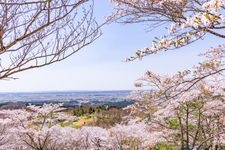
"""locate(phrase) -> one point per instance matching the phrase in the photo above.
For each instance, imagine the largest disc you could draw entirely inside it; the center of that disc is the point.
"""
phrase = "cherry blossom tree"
(189, 104)
(37, 33)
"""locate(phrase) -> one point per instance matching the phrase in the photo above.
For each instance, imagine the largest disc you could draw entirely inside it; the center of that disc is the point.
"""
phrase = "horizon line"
(55, 91)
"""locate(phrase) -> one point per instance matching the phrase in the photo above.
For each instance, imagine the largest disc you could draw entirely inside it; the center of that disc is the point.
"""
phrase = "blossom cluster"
(189, 20)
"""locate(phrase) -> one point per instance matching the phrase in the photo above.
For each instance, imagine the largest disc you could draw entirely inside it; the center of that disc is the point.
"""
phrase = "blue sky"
(100, 66)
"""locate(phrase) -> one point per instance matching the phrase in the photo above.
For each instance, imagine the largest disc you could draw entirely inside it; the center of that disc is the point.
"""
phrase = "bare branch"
(34, 34)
